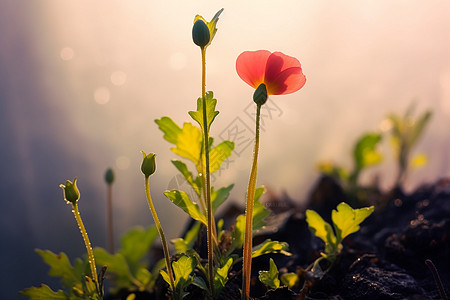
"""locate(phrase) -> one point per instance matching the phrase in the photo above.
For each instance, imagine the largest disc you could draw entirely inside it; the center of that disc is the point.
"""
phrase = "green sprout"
(346, 221)
(365, 154)
(79, 285)
(406, 131)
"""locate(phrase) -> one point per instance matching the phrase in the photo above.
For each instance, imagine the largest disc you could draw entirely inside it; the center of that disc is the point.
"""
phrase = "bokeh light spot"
(66, 53)
(102, 95)
(118, 78)
(177, 61)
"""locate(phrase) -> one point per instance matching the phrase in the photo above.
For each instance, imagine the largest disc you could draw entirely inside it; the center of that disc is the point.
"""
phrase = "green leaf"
(219, 196)
(182, 200)
(419, 126)
(218, 154)
(365, 153)
(188, 140)
(136, 244)
(165, 276)
(320, 228)
(260, 213)
(196, 184)
(43, 292)
(182, 269)
(211, 113)
(60, 266)
(238, 233)
(221, 277)
(269, 246)
(270, 278)
(118, 266)
(198, 281)
(346, 220)
(182, 245)
(290, 279)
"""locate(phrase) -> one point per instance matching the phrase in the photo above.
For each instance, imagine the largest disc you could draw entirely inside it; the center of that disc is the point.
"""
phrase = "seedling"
(405, 133)
(345, 220)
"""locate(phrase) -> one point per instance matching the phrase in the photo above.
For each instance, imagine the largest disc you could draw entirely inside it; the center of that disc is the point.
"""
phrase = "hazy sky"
(81, 83)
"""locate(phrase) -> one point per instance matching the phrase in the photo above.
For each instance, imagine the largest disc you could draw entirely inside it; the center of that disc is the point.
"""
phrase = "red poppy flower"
(282, 74)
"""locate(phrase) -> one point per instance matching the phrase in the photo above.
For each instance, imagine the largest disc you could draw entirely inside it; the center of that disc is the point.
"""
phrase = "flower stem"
(247, 263)
(110, 219)
(87, 243)
(207, 178)
(161, 234)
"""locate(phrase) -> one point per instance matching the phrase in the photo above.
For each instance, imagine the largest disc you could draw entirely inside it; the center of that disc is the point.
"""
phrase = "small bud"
(260, 95)
(109, 176)
(200, 33)
(71, 192)
(148, 166)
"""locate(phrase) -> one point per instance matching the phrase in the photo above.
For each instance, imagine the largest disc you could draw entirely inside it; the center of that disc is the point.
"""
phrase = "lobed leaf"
(219, 154)
(136, 244)
(290, 279)
(221, 276)
(269, 246)
(346, 220)
(211, 113)
(365, 153)
(117, 265)
(320, 228)
(182, 200)
(43, 292)
(195, 183)
(219, 196)
(60, 266)
(188, 140)
(270, 278)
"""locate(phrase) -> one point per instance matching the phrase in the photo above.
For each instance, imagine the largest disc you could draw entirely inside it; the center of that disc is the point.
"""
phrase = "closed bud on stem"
(148, 166)
(109, 176)
(71, 192)
(260, 95)
(200, 33)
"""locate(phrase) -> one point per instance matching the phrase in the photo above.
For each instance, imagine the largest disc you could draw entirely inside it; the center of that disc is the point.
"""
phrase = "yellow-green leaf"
(218, 154)
(270, 278)
(346, 220)
(320, 228)
(188, 140)
(182, 200)
(211, 113)
(43, 292)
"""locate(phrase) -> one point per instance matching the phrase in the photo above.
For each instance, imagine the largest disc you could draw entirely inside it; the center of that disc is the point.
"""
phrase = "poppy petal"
(283, 74)
(251, 66)
(287, 82)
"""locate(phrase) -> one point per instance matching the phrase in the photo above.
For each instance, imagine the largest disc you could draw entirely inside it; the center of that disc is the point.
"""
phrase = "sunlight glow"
(102, 95)
(118, 78)
(66, 53)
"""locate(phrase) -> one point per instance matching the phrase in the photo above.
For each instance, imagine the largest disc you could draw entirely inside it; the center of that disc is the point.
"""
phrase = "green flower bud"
(148, 166)
(71, 192)
(109, 176)
(260, 95)
(200, 33)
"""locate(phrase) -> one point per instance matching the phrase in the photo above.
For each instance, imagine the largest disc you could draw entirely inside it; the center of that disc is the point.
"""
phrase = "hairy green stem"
(207, 178)
(110, 219)
(87, 243)
(161, 234)
(247, 263)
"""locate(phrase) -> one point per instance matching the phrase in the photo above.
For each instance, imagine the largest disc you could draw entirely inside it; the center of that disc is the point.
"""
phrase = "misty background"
(81, 83)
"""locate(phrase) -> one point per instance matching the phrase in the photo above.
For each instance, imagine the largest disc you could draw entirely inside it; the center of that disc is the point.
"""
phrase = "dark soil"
(384, 260)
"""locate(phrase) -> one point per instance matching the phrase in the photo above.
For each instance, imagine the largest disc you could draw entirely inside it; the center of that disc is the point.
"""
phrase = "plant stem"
(87, 243)
(110, 219)
(247, 263)
(161, 234)
(207, 178)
